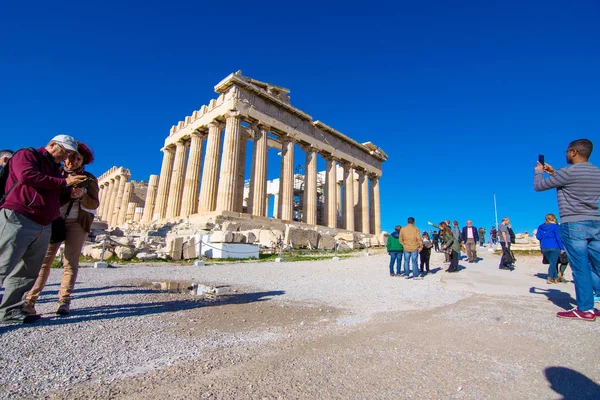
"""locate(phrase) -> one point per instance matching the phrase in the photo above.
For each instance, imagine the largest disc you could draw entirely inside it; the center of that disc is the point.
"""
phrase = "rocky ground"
(306, 330)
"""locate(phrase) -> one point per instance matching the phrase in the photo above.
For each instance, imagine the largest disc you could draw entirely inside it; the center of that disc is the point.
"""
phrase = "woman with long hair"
(79, 214)
(551, 245)
(451, 244)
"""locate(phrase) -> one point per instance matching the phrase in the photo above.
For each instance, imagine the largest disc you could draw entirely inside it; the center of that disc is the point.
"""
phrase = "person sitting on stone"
(79, 214)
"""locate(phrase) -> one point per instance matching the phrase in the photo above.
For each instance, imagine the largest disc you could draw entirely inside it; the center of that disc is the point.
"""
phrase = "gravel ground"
(321, 329)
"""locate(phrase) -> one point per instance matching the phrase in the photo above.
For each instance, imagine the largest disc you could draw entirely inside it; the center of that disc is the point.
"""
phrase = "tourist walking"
(470, 237)
(78, 214)
(425, 254)
(551, 245)
(436, 241)
(33, 187)
(494, 235)
(578, 191)
(450, 245)
(481, 236)
(507, 260)
(410, 237)
(395, 250)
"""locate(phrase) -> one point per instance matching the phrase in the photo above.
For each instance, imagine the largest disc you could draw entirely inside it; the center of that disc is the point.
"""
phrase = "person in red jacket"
(32, 202)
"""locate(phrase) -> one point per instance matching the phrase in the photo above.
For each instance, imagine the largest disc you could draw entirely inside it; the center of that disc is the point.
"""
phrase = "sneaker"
(596, 298)
(418, 278)
(578, 315)
(407, 277)
(63, 309)
(551, 281)
(28, 309)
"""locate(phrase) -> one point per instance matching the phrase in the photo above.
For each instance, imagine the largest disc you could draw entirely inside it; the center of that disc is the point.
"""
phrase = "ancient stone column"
(376, 205)
(176, 189)
(102, 197)
(364, 202)
(331, 192)
(287, 180)
(210, 173)
(310, 187)
(349, 195)
(125, 203)
(110, 205)
(137, 214)
(130, 211)
(150, 199)
(226, 196)
(339, 205)
(241, 174)
(276, 204)
(357, 215)
(164, 183)
(259, 176)
(189, 204)
(114, 219)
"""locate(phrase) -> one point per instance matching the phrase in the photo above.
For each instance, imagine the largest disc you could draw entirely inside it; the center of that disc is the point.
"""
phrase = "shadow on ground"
(571, 384)
(108, 312)
(558, 297)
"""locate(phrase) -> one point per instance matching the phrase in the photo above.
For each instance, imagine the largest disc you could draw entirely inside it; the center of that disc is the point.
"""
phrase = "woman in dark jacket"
(450, 243)
(79, 214)
(551, 244)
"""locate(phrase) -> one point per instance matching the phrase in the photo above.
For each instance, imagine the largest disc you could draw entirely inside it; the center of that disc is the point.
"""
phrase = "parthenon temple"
(204, 168)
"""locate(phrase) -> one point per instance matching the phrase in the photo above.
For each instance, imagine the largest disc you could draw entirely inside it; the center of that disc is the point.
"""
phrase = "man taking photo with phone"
(578, 191)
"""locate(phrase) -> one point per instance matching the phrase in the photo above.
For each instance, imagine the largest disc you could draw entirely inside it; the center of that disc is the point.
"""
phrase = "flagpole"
(495, 210)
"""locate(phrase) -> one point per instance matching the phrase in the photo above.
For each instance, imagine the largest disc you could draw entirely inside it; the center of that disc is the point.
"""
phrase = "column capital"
(216, 124)
(233, 114)
(198, 133)
(168, 149)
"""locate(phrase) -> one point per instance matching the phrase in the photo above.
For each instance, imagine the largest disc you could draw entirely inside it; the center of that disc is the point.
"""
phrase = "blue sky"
(462, 96)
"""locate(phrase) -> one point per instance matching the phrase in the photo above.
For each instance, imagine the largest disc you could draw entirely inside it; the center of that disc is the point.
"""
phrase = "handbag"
(563, 258)
(58, 232)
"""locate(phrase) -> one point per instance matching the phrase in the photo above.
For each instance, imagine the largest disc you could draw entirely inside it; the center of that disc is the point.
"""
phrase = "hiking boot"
(28, 309)
(16, 316)
(578, 315)
(63, 309)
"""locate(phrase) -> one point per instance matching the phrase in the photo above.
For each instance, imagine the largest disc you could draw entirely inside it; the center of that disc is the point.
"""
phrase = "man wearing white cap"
(31, 202)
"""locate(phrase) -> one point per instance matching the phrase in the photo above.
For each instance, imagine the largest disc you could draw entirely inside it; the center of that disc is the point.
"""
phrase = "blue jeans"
(408, 256)
(582, 242)
(395, 257)
(552, 257)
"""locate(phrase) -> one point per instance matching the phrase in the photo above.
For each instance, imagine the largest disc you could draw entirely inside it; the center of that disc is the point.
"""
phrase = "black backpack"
(4, 191)
(513, 237)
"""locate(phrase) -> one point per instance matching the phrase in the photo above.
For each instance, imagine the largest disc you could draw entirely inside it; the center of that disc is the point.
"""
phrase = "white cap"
(68, 142)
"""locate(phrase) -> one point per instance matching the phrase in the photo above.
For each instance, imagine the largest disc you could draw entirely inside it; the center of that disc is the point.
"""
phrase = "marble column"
(189, 204)
(331, 192)
(114, 187)
(258, 182)
(177, 179)
(150, 199)
(210, 173)
(241, 174)
(227, 191)
(287, 180)
(364, 202)
(349, 195)
(164, 182)
(357, 214)
(376, 205)
(276, 204)
(137, 214)
(310, 187)
(130, 211)
(102, 196)
(114, 219)
(125, 203)
(339, 205)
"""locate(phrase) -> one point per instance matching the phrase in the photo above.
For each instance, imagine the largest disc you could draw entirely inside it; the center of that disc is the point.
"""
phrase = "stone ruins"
(121, 200)
(203, 174)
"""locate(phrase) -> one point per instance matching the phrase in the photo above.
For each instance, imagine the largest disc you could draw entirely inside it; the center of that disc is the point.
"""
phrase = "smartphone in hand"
(541, 159)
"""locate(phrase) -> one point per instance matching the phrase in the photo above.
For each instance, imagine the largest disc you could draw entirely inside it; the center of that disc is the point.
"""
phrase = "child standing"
(425, 254)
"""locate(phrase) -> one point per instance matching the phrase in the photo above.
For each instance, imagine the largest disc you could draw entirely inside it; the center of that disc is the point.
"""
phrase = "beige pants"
(471, 249)
(73, 244)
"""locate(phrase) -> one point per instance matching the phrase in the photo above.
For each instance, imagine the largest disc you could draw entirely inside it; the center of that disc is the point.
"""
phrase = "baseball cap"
(68, 142)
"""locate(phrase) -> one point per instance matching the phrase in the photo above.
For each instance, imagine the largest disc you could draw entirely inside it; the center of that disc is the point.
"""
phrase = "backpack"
(4, 191)
(512, 235)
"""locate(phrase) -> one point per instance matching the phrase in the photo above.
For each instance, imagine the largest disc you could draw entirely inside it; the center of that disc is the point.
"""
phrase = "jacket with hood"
(549, 236)
(393, 242)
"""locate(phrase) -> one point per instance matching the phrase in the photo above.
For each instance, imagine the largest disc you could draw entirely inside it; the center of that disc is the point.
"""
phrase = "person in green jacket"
(395, 250)
(449, 242)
